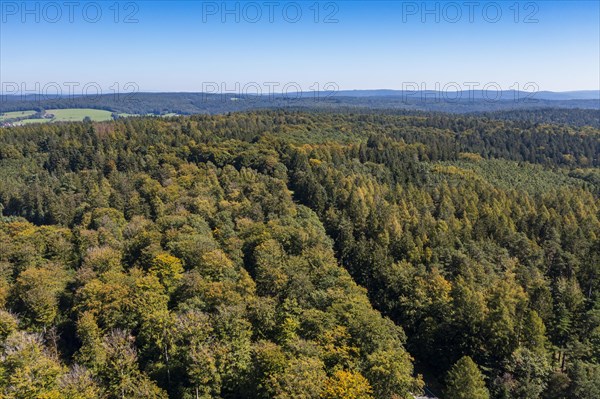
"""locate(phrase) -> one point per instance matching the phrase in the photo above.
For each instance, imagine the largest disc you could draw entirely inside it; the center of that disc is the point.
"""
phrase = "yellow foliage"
(469, 156)
(347, 385)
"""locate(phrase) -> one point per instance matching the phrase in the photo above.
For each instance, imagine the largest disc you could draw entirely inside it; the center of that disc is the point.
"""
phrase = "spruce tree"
(465, 381)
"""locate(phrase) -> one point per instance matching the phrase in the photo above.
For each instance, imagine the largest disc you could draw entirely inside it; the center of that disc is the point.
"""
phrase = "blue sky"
(195, 46)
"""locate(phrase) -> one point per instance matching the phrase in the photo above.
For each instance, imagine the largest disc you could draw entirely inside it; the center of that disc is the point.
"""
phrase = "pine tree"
(465, 381)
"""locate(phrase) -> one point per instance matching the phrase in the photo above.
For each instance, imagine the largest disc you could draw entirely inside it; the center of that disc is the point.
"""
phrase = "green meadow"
(78, 114)
(67, 115)
(32, 121)
(16, 114)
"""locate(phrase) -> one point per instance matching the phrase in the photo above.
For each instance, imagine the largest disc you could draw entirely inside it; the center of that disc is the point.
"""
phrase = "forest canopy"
(288, 254)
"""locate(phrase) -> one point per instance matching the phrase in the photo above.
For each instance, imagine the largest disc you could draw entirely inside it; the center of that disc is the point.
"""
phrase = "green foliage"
(299, 255)
(28, 371)
(465, 381)
(38, 288)
(586, 380)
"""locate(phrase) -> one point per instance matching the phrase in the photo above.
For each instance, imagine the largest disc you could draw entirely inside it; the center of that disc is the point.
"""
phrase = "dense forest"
(285, 254)
(502, 102)
(572, 117)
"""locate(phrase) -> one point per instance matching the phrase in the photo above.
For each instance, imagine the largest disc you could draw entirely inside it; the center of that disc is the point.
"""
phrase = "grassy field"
(65, 115)
(32, 121)
(78, 114)
(16, 114)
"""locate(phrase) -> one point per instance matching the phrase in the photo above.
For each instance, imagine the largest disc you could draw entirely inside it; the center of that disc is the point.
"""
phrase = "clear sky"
(195, 45)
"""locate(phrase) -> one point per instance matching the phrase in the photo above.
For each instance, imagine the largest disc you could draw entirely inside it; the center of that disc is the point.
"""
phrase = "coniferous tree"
(465, 381)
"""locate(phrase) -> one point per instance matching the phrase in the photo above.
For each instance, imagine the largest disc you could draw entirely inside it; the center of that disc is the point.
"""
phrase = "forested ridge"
(575, 117)
(540, 106)
(282, 254)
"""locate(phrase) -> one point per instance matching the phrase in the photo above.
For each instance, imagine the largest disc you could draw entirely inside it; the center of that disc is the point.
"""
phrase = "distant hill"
(476, 94)
(203, 103)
